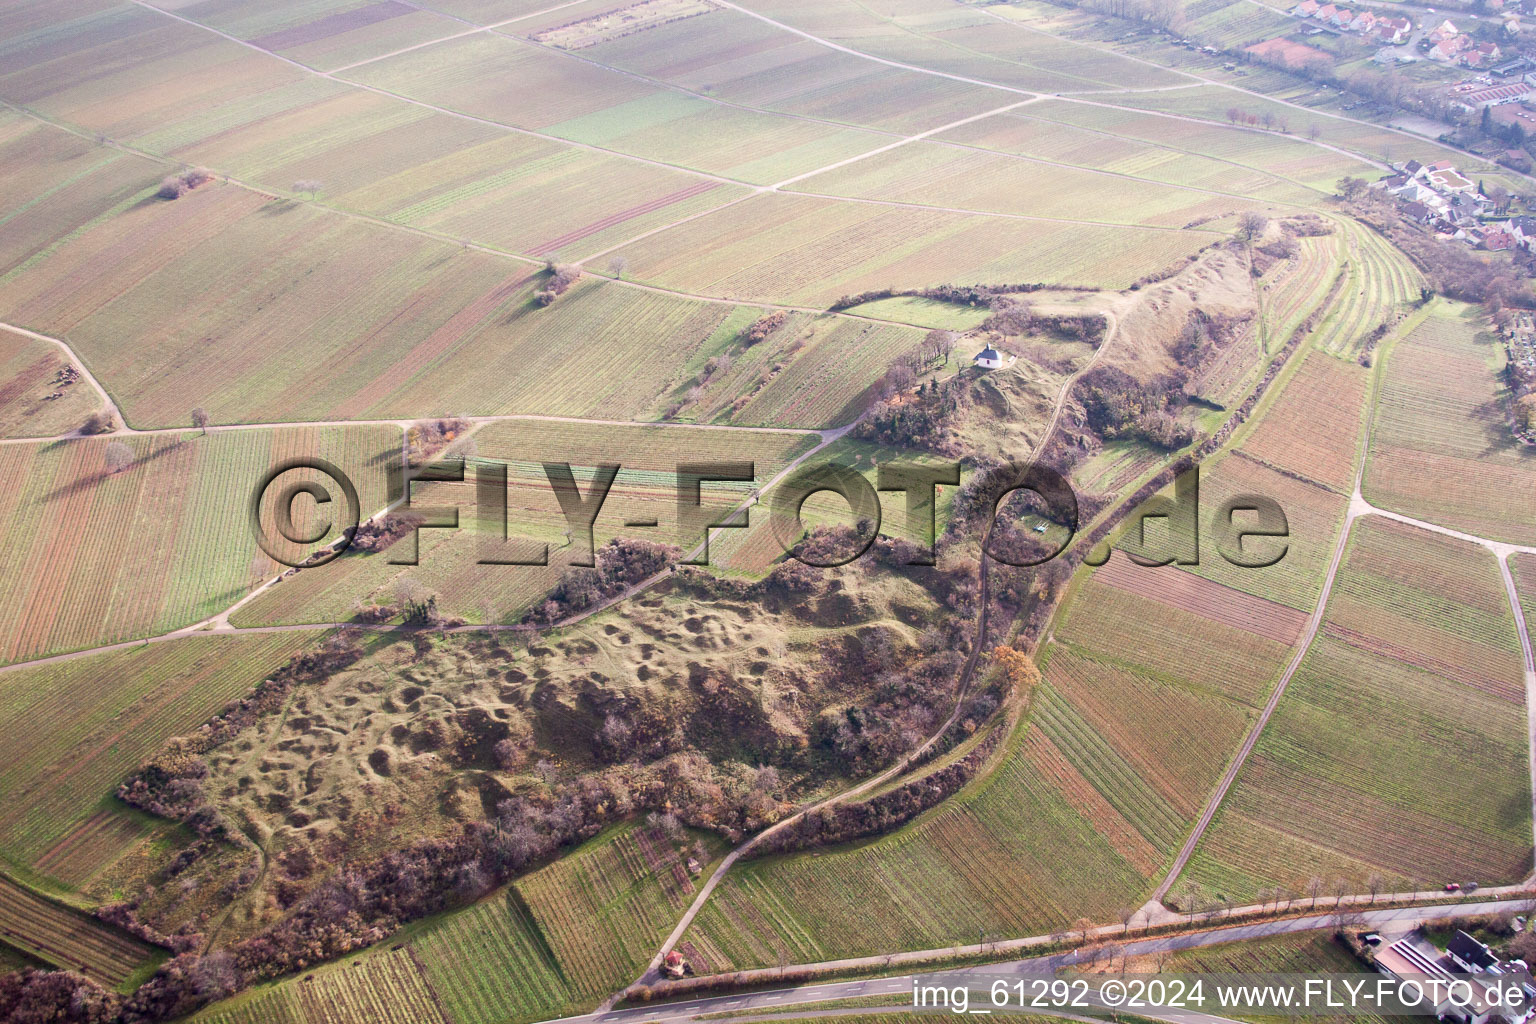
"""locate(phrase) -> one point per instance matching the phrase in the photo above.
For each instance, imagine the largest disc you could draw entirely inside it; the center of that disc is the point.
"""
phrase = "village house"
(1498, 240)
(1444, 30)
(1392, 31)
(1364, 22)
(1326, 12)
(989, 358)
(1305, 9)
(1524, 230)
(1481, 55)
(1341, 18)
(1447, 49)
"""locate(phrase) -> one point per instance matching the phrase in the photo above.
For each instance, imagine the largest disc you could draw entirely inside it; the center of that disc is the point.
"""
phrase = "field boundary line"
(1424, 139)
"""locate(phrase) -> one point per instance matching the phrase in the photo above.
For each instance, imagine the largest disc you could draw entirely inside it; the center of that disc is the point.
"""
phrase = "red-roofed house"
(1497, 240)
(1444, 30)
(1481, 55)
(1305, 9)
(1447, 49)
(1364, 22)
(1392, 30)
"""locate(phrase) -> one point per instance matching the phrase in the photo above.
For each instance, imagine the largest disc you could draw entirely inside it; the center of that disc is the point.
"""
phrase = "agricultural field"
(811, 250)
(475, 786)
(69, 939)
(1024, 133)
(101, 555)
(391, 988)
(425, 343)
(44, 394)
(644, 490)
(75, 728)
(1378, 287)
(1344, 782)
(1440, 446)
(1313, 429)
(964, 870)
(569, 933)
(1006, 184)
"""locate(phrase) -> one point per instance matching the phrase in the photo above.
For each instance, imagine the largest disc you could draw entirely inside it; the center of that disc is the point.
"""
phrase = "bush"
(177, 185)
(101, 422)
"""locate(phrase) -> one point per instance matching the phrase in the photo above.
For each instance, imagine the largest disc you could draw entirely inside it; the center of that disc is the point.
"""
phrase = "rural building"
(989, 358)
(1392, 30)
(1444, 30)
(1415, 959)
(673, 965)
(1469, 954)
(1523, 228)
(1305, 9)
(1497, 240)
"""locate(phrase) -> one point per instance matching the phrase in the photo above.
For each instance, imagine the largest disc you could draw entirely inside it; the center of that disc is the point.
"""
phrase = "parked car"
(1452, 887)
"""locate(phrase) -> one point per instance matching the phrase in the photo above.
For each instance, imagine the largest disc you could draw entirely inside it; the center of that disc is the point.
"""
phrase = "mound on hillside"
(717, 701)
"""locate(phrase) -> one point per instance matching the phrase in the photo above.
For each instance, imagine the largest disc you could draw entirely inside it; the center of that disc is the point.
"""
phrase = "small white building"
(989, 358)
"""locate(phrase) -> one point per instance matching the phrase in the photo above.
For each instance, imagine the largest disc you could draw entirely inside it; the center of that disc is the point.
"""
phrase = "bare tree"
(1375, 883)
(1351, 188)
(200, 419)
(1315, 887)
(1340, 890)
(417, 601)
(1127, 915)
(308, 186)
(1313, 131)
(118, 457)
(1191, 896)
(1251, 226)
(617, 266)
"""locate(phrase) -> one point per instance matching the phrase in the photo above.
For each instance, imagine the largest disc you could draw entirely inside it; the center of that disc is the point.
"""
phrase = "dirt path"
(107, 401)
(1358, 507)
(967, 673)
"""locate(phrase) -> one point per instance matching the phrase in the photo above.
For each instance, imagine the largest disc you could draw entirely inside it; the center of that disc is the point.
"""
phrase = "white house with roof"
(989, 358)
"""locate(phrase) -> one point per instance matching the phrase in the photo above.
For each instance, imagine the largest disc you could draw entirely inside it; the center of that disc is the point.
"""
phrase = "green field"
(551, 944)
(75, 736)
(1416, 669)
(101, 557)
(1441, 449)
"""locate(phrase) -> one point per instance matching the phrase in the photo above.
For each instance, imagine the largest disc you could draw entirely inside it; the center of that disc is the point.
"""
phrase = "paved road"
(795, 995)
